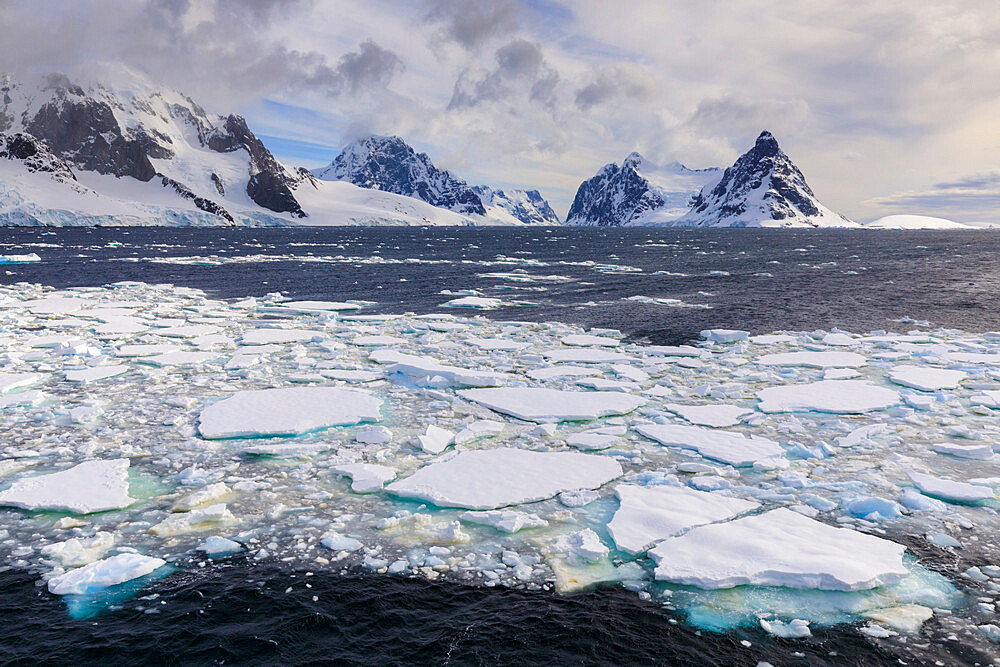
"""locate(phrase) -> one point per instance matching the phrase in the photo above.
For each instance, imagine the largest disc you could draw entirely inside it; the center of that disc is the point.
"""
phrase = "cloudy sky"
(887, 106)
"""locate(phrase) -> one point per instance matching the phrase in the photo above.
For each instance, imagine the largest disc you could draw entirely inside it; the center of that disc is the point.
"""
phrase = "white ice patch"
(553, 405)
(286, 411)
(647, 515)
(506, 521)
(925, 378)
(366, 477)
(779, 548)
(13, 381)
(95, 373)
(431, 372)
(950, 490)
(492, 478)
(835, 396)
(91, 486)
(104, 573)
(730, 447)
(715, 414)
(814, 359)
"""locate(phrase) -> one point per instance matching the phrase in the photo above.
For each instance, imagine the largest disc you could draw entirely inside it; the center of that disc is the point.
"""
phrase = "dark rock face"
(35, 155)
(614, 197)
(269, 185)
(206, 205)
(85, 132)
(763, 184)
(391, 165)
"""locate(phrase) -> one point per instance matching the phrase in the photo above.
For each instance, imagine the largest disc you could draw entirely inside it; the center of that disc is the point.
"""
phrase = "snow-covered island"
(785, 481)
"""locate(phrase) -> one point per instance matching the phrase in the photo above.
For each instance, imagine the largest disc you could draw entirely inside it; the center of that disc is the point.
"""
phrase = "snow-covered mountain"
(516, 207)
(638, 192)
(762, 189)
(389, 164)
(121, 151)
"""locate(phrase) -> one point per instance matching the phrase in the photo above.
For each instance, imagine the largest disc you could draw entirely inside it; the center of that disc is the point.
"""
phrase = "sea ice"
(836, 396)
(982, 452)
(219, 546)
(492, 478)
(724, 335)
(730, 447)
(587, 340)
(78, 551)
(278, 336)
(286, 411)
(814, 359)
(474, 302)
(103, 573)
(197, 520)
(583, 355)
(779, 548)
(647, 515)
(91, 486)
(553, 405)
(950, 490)
(507, 521)
(435, 440)
(13, 381)
(925, 378)
(95, 373)
(366, 477)
(431, 372)
(715, 414)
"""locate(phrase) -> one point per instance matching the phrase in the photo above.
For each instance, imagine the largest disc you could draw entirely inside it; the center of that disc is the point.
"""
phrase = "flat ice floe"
(91, 486)
(286, 411)
(814, 359)
(104, 573)
(552, 405)
(925, 378)
(950, 490)
(836, 396)
(718, 415)
(729, 447)
(647, 515)
(492, 478)
(779, 548)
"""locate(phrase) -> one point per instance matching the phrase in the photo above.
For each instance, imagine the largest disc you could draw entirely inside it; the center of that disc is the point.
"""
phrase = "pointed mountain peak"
(767, 144)
(634, 160)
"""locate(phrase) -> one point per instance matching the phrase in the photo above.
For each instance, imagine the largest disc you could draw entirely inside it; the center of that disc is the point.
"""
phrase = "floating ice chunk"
(334, 541)
(435, 439)
(779, 548)
(219, 546)
(990, 631)
(482, 428)
(286, 411)
(209, 493)
(647, 515)
(474, 302)
(554, 372)
(377, 341)
(145, 350)
(603, 384)
(949, 490)
(78, 551)
(91, 486)
(429, 371)
(836, 396)
(587, 341)
(915, 500)
(814, 359)
(296, 449)
(13, 381)
(580, 546)
(860, 435)
(736, 449)
(95, 373)
(724, 335)
(840, 374)
(374, 435)
(20, 259)
(872, 508)
(314, 306)
(840, 339)
(583, 356)
(104, 573)
(187, 331)
(590, 441)
(496, 343)
(492, 478)
(716, 414)
(982, 452)
(366, 477)
(54, 305)
(990, 358)
(578, 497)
(179, 358)
(278, 336)
(239, 361)
(630, 372)
(672, 351)
(351, 375)
(906, 617)
(553, 405)
(926, 379)
(507, 521)
(795, 629)
(195, 521)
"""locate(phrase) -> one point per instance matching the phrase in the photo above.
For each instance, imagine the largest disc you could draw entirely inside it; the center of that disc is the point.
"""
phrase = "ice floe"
(104, 573)
(552, 405)
(91, 486)
(286, 411)
(736, 449)
(492, 478)
(926, 378)
(836, 396)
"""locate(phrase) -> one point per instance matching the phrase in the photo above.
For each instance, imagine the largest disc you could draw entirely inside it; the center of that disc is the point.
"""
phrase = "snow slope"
(914, 222)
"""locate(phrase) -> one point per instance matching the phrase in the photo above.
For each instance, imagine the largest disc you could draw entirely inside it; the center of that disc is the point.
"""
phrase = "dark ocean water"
(232, 612)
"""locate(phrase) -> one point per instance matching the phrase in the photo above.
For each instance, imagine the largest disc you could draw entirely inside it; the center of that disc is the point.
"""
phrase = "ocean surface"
(660, 286)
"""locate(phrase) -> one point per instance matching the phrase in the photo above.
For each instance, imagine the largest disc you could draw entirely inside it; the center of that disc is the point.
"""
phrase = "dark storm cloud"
(471, 23)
